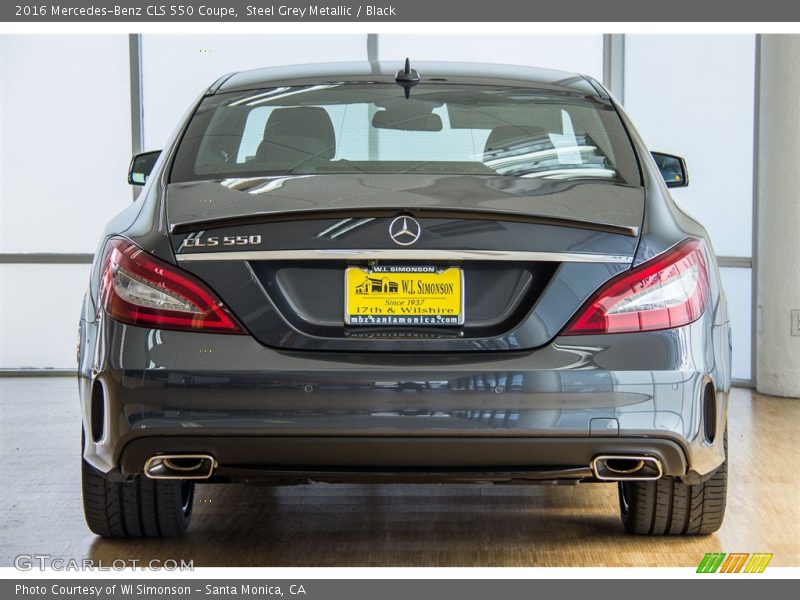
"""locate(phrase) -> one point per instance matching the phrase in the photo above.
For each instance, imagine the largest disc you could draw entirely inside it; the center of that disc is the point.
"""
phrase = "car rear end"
(469, 281)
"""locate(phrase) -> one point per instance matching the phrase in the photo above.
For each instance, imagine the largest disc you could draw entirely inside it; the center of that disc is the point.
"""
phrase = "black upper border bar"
(255, 11)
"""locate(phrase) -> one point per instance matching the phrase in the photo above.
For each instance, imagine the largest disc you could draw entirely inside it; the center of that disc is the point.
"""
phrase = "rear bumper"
(401, 458)
(252, 407)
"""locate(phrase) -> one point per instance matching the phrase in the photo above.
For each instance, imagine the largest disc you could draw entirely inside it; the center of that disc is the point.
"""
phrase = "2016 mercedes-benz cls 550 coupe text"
(424, 272)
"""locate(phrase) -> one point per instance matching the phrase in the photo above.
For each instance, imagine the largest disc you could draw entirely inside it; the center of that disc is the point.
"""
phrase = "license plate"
(403, 295)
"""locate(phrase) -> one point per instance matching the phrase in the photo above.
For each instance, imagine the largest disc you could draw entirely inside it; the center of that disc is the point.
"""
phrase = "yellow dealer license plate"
(402, 295)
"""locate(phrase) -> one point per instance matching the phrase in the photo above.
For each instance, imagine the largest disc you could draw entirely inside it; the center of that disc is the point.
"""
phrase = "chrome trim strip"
(179, 227)
(407, 254)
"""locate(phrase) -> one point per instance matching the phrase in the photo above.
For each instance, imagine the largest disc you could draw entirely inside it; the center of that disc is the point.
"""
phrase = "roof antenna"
(407, 77)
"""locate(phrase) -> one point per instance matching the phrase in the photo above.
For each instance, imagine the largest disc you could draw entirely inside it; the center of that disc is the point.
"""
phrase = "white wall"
(65, 144)
(694, 96)
(580, 53)
(65, 141)
(39, 313)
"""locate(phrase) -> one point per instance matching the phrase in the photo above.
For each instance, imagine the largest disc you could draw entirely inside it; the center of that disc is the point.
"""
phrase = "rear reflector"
(667, 291)
(139, 289)
(709, 412)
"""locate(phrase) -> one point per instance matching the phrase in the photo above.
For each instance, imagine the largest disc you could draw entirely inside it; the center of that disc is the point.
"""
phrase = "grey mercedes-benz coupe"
(430, 272)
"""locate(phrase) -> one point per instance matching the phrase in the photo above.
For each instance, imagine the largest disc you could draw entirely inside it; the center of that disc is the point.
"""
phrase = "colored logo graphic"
(378, 285)
(741, 562)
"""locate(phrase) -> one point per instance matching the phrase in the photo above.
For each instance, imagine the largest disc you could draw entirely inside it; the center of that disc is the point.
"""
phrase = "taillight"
(667, 291)
(139, 289)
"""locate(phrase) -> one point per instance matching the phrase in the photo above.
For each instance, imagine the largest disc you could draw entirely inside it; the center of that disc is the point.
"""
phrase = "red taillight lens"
(139, 289)
(667, 291)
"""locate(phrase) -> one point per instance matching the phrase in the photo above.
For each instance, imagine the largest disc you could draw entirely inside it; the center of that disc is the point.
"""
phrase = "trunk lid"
(530, 251)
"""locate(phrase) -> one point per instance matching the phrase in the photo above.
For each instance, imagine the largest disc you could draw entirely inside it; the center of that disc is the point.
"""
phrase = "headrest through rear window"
(296, 137)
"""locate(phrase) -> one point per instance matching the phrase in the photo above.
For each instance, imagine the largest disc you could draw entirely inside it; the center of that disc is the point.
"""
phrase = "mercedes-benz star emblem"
(404, 230)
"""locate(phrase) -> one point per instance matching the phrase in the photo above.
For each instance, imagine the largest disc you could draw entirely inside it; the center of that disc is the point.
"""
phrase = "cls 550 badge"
(198, 240)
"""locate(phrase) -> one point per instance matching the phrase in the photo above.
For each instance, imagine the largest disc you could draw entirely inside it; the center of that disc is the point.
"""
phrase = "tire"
(668, 506)
(138, 508)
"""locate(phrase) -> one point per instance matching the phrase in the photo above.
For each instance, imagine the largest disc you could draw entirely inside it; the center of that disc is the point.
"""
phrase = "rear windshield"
(356, 128)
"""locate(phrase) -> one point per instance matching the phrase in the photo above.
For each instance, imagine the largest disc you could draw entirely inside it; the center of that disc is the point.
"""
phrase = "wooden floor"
(391, 525)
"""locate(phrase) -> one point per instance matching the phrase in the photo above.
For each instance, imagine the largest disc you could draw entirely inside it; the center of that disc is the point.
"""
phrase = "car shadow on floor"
(399, 525)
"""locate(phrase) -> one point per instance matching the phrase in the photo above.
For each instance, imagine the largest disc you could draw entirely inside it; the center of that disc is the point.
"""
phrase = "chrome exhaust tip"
(626, 467)
(180, 466)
